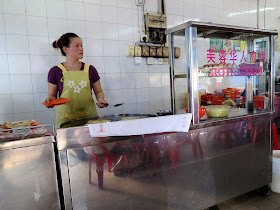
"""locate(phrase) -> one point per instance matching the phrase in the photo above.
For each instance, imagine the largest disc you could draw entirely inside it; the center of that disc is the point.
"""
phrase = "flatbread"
(24, 123)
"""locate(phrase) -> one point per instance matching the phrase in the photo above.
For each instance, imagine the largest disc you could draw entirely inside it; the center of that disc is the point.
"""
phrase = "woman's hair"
(64, 41)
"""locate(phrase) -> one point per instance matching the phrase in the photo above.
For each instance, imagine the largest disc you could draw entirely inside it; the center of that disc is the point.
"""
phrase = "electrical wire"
(264, 13)
(144, 19)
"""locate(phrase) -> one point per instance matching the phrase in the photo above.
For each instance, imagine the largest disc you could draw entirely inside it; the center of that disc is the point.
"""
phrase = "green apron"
(76, 86)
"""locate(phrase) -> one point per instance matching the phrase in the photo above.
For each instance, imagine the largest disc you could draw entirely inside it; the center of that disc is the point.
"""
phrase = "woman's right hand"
(48, 99)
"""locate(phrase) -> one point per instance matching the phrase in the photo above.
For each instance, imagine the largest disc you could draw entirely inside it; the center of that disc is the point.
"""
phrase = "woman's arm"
(52, 93)
(99, 94)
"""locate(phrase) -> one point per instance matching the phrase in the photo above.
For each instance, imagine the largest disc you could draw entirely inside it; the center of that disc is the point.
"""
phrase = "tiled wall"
(107, 27)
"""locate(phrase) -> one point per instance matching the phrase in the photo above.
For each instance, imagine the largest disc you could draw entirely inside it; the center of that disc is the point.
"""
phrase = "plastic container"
(258, 102)
(217, 99)
(217, 110)
(275, 184)
(233, 95)
(227, 94)
(237, 95)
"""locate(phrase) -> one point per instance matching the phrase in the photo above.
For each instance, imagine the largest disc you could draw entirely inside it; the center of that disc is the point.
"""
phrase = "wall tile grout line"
(11, 96)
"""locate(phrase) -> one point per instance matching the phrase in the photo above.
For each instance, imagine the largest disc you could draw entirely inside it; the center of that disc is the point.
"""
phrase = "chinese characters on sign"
(246, 69)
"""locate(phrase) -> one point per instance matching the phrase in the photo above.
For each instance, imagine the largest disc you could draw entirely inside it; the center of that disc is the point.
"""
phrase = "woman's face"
(75, 49)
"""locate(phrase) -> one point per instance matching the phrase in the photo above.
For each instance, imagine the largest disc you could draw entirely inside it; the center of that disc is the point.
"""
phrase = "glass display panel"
(233, 75)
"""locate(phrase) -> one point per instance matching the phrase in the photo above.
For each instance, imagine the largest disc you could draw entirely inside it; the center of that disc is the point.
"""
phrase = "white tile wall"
(107, 27)
(15, 24)
(39, 45)
(95, 47)
(92, 12)
(109, 2)
(128, 80)
(21, 84)
(143, 95)
(17, 44)
(110, 31)
(129, 96)
(24, 116)
(4, 64)
(111, 48)
(56, 9)
(79, 27)
(39, 64)
(2, 25)
(3, 48)
(6, 117)
(14, 6)
(39, 83)
(37, 26)
(127, 64)
(36, 8)
(109, 14)
(23, 103)
(19, 64)
(125, 3)
(112, 65)
(6, 108)
(142, 80)
(56, 26)
(5, 84)
(75, 10)
(125, 16)
(1, 6)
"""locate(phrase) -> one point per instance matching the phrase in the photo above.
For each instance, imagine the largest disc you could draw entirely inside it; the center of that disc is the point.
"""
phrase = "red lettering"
(240, 69)
(221, 69)
(259, 71)
(213, 72)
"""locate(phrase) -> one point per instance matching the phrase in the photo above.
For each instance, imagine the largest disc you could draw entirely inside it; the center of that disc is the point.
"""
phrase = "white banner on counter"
(171, 123)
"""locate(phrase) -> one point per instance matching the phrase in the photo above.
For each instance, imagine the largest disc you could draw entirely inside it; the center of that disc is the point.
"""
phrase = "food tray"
(26, 132)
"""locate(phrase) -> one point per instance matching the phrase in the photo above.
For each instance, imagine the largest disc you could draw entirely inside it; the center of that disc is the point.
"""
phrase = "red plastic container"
(258, 102)
(206, 97)
(217, 99)
(202, 111)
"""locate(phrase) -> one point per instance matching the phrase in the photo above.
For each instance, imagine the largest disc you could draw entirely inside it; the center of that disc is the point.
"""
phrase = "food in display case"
(229, 102)
(25, 132)
(217, 111)
(25, 123)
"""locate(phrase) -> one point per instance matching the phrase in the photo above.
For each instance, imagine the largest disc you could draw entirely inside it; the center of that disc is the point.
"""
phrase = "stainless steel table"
(28, 174)
(213, 162)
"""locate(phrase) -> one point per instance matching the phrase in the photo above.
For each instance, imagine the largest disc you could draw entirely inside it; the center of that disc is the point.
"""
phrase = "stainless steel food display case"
(28, 172)
(244, 163)
(218, 159)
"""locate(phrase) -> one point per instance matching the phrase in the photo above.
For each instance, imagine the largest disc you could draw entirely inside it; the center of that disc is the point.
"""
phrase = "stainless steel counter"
(28, 174)
(213, 162)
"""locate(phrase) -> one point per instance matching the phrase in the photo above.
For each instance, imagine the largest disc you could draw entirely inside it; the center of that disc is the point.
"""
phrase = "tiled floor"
(252, 201)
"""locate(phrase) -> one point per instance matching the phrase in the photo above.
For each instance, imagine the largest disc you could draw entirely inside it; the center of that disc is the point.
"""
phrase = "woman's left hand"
(102, 103)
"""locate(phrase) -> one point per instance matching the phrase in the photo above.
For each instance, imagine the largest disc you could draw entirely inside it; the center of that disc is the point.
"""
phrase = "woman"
(74, 79)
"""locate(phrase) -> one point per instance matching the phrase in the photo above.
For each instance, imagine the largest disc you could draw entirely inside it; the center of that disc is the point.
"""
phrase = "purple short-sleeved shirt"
(55, 75)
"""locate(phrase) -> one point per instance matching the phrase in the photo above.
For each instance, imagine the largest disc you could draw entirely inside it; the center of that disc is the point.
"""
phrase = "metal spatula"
(114, 105)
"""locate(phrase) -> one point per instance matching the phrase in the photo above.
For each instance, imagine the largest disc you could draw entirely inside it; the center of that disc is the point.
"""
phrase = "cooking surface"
(112, 118)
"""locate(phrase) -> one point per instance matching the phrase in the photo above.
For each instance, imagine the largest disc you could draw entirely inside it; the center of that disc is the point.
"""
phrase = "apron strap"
(64, 71)
(86, 68)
